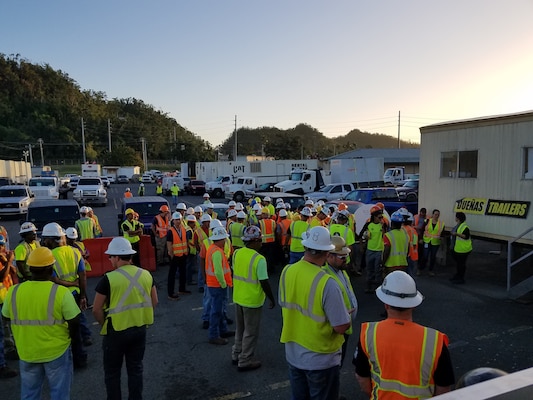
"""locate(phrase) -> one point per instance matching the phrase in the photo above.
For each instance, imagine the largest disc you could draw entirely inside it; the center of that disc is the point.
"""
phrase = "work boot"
(218, 341)
(6, 372)
(248, 366)
(227, 334)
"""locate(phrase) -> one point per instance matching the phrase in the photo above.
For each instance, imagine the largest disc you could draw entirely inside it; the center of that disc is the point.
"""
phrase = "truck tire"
(218, 194)
(411, 197)
(238, 197)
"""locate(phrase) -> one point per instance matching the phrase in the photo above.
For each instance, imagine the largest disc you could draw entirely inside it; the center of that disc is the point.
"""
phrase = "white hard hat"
(306, 212)
(89, 209)
(241, 215)
(52, 229)
(232, 203)
(239, 207)
(142, 184)
(287, 206)
(280, 204)
(206, 195)
(257, 207)
(279, 200)
(399, 290)
(190, 217)
(317, 238)
(128, 190)
(181, 206)
(215, 223)
(219, 233)
(282, 213)
(119, 246)
(205, 218)
(176, 215)
(27, 227)
(198, 209)
(267, 198)
(232, 213)
(190, 211)
(320, 203)
(309, 202)
(84, 210)
(344, 213)
(252, 232)
(210, 205)
(410, 218)
(72, 233)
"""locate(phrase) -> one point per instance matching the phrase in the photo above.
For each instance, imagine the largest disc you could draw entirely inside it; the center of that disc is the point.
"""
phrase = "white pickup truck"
(90, 190)
(333, 191)
(44, 187)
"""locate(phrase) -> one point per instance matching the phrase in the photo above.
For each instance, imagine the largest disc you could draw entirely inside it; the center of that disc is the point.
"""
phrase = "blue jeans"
(373, 269)
(217, 321)
(192, 261)
(58, 373)
(117, 346)
(429, 256)
(295, 256)
(314, 385)
(206, 304)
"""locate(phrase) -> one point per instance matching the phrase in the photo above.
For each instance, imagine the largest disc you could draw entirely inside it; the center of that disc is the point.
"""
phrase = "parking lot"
(485, 329)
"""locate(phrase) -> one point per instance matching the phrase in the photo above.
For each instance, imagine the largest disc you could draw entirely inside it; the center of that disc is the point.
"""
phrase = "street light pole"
(83, 139)
(42, 154)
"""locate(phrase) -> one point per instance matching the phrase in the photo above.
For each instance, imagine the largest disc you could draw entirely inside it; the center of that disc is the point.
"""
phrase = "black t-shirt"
(443, 375)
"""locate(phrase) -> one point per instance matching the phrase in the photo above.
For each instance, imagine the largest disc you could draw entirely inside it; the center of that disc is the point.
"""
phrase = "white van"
(168, 181)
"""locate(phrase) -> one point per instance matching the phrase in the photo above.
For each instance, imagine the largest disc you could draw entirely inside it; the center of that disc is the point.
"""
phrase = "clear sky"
(335, 65)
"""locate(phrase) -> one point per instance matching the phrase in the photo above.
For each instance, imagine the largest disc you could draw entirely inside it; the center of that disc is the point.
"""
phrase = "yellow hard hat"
(265, 210)
(129, 211)
(41, 257)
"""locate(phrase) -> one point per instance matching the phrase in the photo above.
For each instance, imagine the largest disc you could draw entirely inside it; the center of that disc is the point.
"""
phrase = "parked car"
(15, 199)
(105, 180)
(5, 181)
(386, 195)
(111, 178)
(333, 191)
(123, 179)
(195, 187)
(147, 178)
(219, 208)
(73, 182)
(64, 212)
(90, 190)
(409, 190)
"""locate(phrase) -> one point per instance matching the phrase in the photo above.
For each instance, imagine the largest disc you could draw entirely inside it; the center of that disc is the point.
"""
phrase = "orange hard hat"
(342, 206)
(164, 208)
(380, 205)
(375, 209)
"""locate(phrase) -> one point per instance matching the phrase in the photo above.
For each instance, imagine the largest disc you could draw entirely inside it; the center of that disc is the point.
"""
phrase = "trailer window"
(528, 162)
(458, 164)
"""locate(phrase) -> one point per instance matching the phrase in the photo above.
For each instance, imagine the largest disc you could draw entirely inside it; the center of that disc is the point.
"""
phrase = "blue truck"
(386, 195)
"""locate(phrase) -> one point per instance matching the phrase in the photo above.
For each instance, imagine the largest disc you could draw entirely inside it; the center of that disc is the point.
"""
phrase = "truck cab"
(45, 187)
(302, 181)
(217, 187)
(241, 189)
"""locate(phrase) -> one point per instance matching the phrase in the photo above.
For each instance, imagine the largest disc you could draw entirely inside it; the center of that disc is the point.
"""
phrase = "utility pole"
(109, 132)
(398, 129)
(42, 154)
(83, 140)
(235, 134)
(145, 161)
(31, 154)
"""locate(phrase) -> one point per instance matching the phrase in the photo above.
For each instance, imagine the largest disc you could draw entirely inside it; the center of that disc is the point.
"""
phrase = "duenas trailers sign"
(502, 208)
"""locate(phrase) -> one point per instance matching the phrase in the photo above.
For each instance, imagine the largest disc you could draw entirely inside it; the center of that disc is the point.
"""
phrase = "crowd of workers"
(314, 245)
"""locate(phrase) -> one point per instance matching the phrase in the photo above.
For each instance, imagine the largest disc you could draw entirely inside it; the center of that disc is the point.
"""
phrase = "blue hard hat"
(396, 217)
(2, 240)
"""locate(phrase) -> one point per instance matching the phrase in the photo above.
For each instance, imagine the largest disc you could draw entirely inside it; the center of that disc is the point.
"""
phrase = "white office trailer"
(484, 168)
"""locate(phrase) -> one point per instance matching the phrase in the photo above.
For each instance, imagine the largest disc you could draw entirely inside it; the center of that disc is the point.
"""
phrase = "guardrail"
(526, 285)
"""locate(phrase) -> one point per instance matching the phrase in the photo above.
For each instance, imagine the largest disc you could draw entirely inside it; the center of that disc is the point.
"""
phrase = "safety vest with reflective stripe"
(462, 245)
(37, 311)
(211, 279)
(268, 230)
(159, 189)
(7, 282)
(162, 226)
(179, 245)
(174, 190)
(236, 231)
(24, 249)
(130, 226)
(412, 234)
(247, 290)
(301, 291)
(66, 265)
(97, 227)
(85, 227)
(432, 232)
(284, 225)
(399, 247)
(331, 272)
(297, 229)
(406, 371)
(130, 301)
(375, 240)
(202, 237)
(80, 246)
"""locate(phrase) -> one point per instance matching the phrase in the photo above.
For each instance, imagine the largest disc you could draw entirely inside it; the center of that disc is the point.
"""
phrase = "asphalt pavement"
(484, 328)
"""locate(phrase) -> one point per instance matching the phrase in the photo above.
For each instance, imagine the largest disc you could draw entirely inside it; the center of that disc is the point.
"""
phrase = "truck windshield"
(42, 182)
(296, 176)
(13, 192)
(326, 189)
(388, 172)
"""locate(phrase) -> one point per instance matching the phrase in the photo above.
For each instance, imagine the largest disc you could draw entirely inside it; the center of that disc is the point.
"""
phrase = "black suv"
(64, 212)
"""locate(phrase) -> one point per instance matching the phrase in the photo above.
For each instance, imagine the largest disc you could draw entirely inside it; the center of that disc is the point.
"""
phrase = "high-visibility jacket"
(331, 272)
(297, 229)
(128, 194)
(344, 232)
(252, 218)
(38, 311)
(412, 234)
(315, 221)
(97, 227)
(22, 251)
(211, 279)
(301, 290)
(247, 289)
(284, 226)
(66, 265)
(399, 247)
(86, 228)
(159, 189)
(130, 301)
(268, 230)
(180, 246)
(201, 238)
(432, 232)
(236, 231)
(7, 282)
(130, 226)
(406, 371)
(162, 226)
(80, 246)
(174, 190)
(375, 240)
(462, 245)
